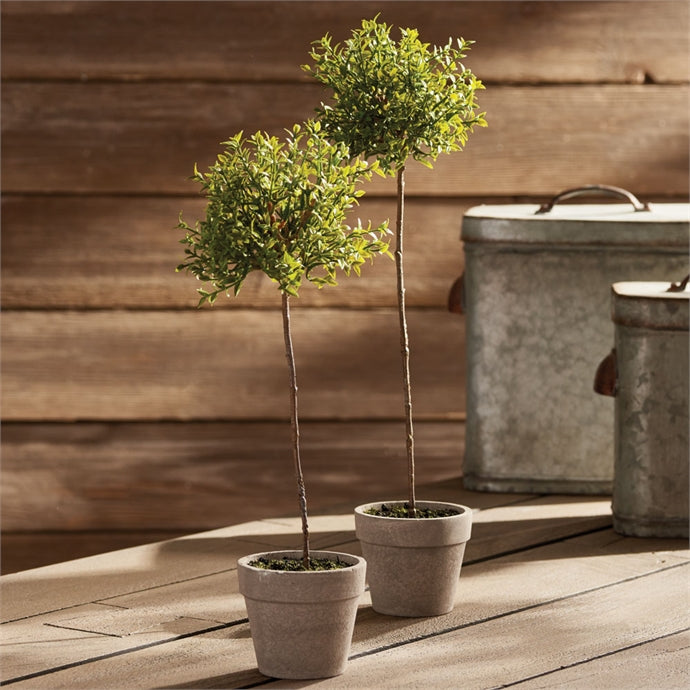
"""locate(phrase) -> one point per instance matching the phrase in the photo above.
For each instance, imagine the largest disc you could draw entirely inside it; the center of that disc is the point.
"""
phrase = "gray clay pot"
(301, 622)
(413, 565)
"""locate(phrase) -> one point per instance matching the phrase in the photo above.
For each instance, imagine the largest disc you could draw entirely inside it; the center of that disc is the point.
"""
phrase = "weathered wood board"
(34, 549)
(577, 627)
(141, 139)
(260, 41)
(108, 252)
(225, 364)
(148, 476)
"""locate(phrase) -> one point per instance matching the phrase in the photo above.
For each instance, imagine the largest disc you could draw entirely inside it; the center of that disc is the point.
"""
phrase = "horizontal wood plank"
(202, 475)
(111, 252)
(34, 549)
(547, 41)
(660, 662)
(108, 252)
(145, 138)
(222, 364)
(551, 572)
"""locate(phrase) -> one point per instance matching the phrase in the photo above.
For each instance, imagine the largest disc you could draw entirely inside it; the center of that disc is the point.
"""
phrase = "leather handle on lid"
(593, 189)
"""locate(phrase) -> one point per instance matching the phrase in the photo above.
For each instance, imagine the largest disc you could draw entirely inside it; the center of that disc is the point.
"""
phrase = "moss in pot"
(394, 101)
(280, 207)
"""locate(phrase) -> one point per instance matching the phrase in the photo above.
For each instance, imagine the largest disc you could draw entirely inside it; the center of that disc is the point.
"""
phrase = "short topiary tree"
(392, 101)
(280, 207)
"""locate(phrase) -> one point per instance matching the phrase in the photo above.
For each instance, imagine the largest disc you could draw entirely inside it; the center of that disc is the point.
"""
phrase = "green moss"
(401, 510)
(295, 564)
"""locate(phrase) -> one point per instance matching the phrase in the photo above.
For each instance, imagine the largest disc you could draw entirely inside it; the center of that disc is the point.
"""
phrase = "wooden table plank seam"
(380, 648)
(580, 647)
(522, 609)
(536, 545)
(597, 657)
(121, 652)
(105, 600)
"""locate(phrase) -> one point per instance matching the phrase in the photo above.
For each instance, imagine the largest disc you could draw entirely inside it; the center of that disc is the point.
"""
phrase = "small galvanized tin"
(650, 485)
(536, 294)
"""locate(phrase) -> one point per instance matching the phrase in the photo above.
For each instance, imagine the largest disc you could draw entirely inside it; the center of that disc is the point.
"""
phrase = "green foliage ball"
(280, 207)
(394, 99)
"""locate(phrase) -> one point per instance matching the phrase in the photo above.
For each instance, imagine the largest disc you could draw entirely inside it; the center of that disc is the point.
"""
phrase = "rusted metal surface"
(537, 293)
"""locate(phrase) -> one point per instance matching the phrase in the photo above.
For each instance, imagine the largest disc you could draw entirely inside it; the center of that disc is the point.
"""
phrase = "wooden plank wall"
(128, 412)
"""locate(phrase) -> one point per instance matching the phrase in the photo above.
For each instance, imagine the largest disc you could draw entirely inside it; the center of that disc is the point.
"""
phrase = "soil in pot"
(397, 510)
(297, 564)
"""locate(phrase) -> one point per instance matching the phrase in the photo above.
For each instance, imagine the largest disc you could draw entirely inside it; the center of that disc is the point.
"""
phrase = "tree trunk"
(404, 340)
(294, 423)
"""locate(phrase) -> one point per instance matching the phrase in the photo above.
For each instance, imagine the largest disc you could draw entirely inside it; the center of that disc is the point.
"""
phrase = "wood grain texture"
(241, 41)
(558, 629)
(35, 549)
(106, 106)
(633, 666)
(127, 602)
(204, 555)
(112, 252)
(146, 138)
(225, 364)
(198, 475)
(107, 252)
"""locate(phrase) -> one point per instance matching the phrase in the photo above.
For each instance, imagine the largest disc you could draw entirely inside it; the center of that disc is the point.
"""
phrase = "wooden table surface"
(549, 596)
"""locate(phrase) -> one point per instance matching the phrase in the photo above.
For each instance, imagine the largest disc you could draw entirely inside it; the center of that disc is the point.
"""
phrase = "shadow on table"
(135, 570)
(239, 679)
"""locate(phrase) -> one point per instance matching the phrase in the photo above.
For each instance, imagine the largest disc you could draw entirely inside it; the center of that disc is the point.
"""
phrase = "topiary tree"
(393, 100)
(280, 207)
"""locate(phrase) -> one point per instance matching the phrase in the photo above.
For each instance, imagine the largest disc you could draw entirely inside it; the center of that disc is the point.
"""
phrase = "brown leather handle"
(606, 378)
(593, 189)
(456, 296)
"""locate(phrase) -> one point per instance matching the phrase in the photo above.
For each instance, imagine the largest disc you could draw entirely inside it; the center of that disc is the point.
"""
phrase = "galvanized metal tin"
(536, 294)
(650, 486)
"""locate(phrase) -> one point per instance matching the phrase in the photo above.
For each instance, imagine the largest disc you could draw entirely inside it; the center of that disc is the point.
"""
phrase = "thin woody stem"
(404, 340)
(294, 423)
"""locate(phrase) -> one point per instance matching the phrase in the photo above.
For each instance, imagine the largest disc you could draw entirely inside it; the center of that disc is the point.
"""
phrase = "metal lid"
(631, 224)
(651, 305)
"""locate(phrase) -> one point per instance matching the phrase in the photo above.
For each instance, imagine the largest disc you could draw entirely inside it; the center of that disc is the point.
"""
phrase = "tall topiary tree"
(393, 100)
(280, 207)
